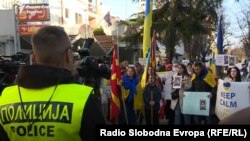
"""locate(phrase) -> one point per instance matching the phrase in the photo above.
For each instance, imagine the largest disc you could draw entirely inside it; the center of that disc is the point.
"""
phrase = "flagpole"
(219, 46)
(117, 37)
(124, 107)
(151, 107)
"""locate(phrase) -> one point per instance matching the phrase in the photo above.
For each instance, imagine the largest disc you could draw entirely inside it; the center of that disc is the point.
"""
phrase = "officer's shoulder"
(9, 88)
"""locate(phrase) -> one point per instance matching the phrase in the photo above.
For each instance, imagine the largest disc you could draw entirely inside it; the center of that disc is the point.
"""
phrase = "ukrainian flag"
(218, 49)
(212, 66)
(220, 38)
(147, 27)
(207, 77)
(145, 73)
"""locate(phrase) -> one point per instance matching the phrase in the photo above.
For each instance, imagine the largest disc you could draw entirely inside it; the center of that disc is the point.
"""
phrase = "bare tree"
(244, 25)
(226, 32)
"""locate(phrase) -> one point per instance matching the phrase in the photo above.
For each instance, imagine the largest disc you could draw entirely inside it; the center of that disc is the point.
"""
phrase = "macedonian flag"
(115, 79)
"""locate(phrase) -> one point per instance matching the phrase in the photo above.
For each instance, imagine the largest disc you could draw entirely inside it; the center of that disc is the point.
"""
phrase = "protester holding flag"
(129, 82)
(138, 99)
(151, 98)
(158, 82)
(139, 70)
(203, 81)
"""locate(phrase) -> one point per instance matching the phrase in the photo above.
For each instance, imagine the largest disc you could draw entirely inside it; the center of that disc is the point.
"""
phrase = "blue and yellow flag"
(207, 77)
(153, 52)
(145, 73)
(147, 27)
(212, 66)
(220, 38)
(218, 49)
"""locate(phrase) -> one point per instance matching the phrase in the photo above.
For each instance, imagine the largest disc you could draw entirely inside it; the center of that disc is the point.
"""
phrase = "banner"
(196, 103)
(231, 61)
(34, 12)
(221, 60)
(29, 29)
(177, 82)
(166, 78)
(231, 97)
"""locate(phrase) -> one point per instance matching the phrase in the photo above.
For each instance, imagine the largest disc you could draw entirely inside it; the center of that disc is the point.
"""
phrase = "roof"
(105, 42)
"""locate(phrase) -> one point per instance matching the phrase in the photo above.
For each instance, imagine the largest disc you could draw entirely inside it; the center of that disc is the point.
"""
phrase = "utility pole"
(62, 12)
(16, 28)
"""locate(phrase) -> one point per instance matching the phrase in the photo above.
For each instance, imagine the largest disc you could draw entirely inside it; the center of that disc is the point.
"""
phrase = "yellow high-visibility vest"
(29, 120)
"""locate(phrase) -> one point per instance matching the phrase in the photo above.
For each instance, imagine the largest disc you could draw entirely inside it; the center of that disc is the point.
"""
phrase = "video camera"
(9, 67)
(10, 64)
(92, 69)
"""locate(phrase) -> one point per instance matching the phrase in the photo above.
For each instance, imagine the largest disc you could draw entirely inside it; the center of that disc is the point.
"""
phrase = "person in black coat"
(151, 98)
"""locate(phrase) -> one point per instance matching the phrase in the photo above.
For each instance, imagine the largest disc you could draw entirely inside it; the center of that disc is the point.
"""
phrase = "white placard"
(231, 97)
(221, 60)
(196, 103)
(142, 61)
(185, 62)
(231, 61)
(177, 82)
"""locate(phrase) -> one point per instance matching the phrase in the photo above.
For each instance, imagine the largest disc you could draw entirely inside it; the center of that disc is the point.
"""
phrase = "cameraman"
(61, 109)
(92, 71)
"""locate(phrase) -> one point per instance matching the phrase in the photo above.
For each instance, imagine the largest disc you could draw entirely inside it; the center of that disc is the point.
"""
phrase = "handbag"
(175, 94)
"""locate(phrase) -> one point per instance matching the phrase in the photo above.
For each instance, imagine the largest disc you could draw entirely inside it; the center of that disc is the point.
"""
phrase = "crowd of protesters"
(48, 101)
(159, 91)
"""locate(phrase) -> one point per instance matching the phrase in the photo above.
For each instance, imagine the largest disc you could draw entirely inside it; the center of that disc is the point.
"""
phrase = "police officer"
(47, 104)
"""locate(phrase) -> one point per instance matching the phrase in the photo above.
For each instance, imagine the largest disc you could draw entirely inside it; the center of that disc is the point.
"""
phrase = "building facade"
(76, 16)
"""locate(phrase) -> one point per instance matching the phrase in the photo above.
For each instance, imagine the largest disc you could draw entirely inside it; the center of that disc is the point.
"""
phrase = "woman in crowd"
(177, 104)
(234, 75)
(151, 71)
(151, 98)
(129, 82)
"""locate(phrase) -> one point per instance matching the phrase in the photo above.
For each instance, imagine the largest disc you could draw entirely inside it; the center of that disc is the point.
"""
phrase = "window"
(66, 12)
